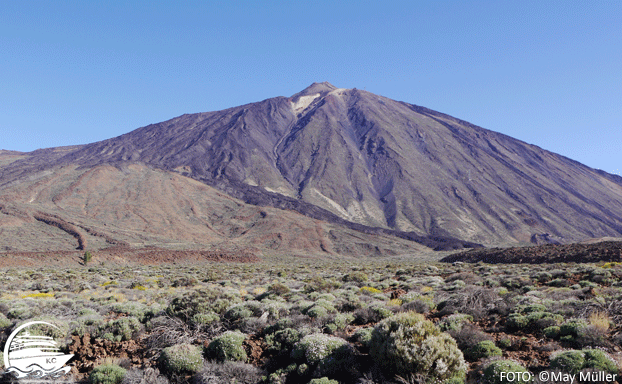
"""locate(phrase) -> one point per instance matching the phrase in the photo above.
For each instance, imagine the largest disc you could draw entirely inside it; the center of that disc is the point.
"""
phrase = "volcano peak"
(322, 88)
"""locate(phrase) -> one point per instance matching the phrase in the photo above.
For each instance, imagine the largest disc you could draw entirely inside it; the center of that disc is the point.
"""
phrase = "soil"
(89, 353)
(126, 255)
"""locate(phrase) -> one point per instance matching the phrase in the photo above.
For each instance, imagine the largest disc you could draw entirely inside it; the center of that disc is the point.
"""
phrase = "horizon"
(541, 73)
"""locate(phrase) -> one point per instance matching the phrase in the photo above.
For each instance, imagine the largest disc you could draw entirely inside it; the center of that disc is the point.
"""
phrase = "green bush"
(283, 340)
(4, 322)
(319, 284)
(317, 311)
(121, 329)
(572, 328)
(492, 373)
(326, 354)
(228, 347)
(363, 336)
(599, 360)
(418, 302)
(107, 374)
(483, 349)
(533, 318)
(205, 300)
(575, 361)
(137, 309)
(516, 321)
(243, 311)
(543, 277)
(455, 322)
(568, 361)
(408, 344)
(279, 289)
(340, 321)
(182, 358)
(323, 380)
(356, 276)
(87, 257)
(205, 318)
(552, 332)
(505, 343)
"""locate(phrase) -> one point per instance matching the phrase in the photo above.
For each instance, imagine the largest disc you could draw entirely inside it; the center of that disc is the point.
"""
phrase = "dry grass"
(600, 321)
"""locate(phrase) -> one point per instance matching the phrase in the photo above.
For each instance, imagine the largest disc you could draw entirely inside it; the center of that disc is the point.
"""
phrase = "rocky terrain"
(607, 251)
(135, 206)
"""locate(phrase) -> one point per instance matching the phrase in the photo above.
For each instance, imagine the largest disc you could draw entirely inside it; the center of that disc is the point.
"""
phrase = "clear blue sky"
(546, 72)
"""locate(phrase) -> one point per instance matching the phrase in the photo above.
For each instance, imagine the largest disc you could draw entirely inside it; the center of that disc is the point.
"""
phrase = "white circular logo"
(34, 356)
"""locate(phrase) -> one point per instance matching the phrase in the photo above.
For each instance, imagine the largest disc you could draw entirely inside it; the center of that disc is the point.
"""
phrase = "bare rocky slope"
(136, 206)
(360, 161)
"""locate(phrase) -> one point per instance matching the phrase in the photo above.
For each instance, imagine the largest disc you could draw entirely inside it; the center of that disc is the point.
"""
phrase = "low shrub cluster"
(365, 321)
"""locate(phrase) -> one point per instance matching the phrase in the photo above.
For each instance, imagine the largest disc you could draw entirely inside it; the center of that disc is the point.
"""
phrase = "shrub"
(137, 309)
(363, 336)
(407, 343)
(568, 361)
(323, 380)
(599, 360)
(543, 277)
(146, 376)
(181, 358)
(279, 289)
(121, 329)
(483, 349)
(532, 317)
(468, 336)
(552, 332)
(372, 314)
(600, 321)
(227, 347)
(572, 329)
(319, 284)
(283, 340)
(87, 257)
(228, 372)
(455, 322)
(575, 361)
(320, 308)
(326, 354)
(107, 374)
(203, 319)
(205, 300)
(492, 372)
(341, 320)
(317, 311)
(356, 276)
(418, 303)
(243, 311)
(4, 322)
(474, 301)
(505, 343)
(559, 283)
(369, 290)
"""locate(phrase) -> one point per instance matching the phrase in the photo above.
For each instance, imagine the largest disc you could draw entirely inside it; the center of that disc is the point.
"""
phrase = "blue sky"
(546, 72)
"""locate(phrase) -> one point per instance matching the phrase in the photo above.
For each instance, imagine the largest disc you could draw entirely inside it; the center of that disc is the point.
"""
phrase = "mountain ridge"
(358, 159)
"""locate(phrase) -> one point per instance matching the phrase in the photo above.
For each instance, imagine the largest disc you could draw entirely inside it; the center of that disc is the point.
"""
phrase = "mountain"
(358, 161)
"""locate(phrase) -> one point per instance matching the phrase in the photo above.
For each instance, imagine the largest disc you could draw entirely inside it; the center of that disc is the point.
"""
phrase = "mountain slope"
(369, 160)
(136, 205)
